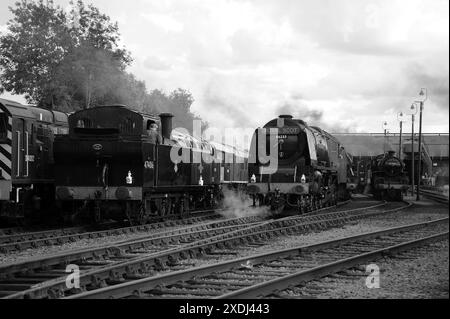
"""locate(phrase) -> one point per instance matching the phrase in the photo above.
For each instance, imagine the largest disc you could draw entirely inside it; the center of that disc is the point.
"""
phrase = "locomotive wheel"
(97, 213)
(180, 207)
(315, 203)
(173, 207)
(141, 216)
(394, 195)
(164, 208)
(260, 200)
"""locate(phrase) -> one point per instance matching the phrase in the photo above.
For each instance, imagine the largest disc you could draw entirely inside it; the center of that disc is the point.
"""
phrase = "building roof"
(372, 144)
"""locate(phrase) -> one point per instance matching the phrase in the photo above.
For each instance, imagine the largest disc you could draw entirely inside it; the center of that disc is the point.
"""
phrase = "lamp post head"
(413, 109)
(401, 117)
(423, 94)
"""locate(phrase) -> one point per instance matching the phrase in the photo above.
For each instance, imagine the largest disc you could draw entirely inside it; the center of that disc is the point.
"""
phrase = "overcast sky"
(347, 65)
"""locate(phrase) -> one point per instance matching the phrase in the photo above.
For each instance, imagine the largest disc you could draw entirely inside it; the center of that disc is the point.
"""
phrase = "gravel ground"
(421, 276)
(426, 277)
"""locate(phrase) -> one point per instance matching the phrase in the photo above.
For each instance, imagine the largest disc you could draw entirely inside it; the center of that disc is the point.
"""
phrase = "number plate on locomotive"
(288, 130)
(97, 147)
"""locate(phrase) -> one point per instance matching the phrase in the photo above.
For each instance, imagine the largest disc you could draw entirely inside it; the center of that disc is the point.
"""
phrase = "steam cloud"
(239, 204)
(300, 110)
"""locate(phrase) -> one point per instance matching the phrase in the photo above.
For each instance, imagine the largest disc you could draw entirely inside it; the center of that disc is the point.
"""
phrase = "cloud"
(436, 83)
(343, 65)
(164, 21)
(156, 63)
(348, 65)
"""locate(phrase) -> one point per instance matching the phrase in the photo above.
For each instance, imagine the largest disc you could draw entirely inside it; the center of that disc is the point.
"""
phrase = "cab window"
(149, 123)
(127, 126)
(84, 123)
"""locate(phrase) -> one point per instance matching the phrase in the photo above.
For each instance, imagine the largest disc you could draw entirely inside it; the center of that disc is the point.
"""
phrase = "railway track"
(45, 278)
(271, 273)
(11, 230)
(21, 236)
(438, 197)
(22, 241)
(17, 239)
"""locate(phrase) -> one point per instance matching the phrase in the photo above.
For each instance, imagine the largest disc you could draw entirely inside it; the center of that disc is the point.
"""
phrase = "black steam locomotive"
(388, 178)
(308, 168)
(110, 165)
(26, 161)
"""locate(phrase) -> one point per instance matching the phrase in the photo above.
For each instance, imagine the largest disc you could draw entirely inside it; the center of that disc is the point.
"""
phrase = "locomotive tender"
(312, 166)
(26, 160)
(108, 166)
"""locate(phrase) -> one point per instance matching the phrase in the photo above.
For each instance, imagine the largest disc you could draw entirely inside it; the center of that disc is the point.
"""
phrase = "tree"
(72, 60)
(180, 105)
(58, 58)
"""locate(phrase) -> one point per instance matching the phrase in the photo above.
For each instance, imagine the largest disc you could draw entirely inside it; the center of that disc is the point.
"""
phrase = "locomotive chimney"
(281, 118)
(166, 124)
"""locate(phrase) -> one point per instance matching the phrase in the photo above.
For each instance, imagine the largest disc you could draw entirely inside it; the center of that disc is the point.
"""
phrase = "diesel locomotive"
(110, 166)
(311, 171)
(26, 160)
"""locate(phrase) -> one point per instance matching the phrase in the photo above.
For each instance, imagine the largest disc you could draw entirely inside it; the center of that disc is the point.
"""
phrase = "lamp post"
(385, 128)
(400, 118)
(424, 96)
(413, 112)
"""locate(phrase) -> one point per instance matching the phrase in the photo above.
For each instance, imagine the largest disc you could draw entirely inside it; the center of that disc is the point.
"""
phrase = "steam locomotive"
(26, 161)
(109, 167)
(388, 177)
(308, 168)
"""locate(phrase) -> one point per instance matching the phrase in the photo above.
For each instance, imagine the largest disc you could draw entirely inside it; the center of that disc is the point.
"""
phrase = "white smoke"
(238, 204)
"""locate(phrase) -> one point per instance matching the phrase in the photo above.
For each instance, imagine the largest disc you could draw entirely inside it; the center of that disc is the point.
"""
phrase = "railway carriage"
(108, 167)
(26, 159)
